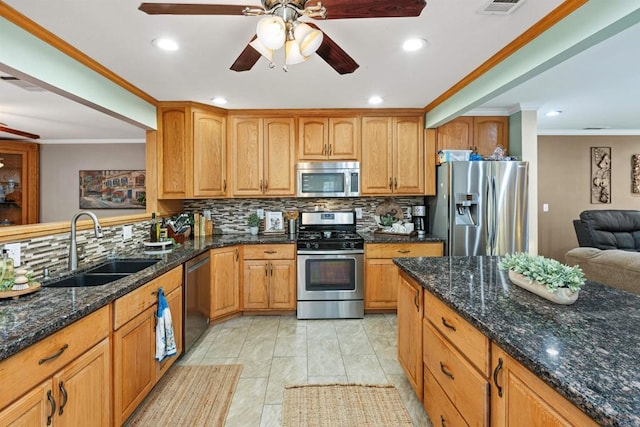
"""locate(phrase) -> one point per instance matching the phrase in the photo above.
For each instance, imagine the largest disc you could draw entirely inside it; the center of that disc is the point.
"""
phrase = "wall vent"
(22, 84)
(500, 7)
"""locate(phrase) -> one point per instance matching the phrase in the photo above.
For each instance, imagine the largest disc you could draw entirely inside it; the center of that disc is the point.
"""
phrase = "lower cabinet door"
(83, 389)
(381, 290)
(32, 409)
(410, 332)
(175, 306)
(134, 363)
(282, 284)
(255, 277)
(439, 408)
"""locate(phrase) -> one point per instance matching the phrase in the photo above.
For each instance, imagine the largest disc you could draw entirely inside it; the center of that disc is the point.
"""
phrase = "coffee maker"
(419, 218)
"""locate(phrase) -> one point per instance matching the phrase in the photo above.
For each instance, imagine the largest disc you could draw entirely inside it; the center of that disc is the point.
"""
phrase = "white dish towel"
(165, 339)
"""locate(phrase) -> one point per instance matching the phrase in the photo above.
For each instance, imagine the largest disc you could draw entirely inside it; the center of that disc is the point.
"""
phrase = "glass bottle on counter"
(153, 232)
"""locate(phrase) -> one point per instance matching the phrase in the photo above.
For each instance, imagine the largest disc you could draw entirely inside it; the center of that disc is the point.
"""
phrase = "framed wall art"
(635, 174)
(111, 189)
(273, 222)
(600, 175)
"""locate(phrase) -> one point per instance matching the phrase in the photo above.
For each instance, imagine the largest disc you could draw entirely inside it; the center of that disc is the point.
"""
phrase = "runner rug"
(189, 396)
(343, 405)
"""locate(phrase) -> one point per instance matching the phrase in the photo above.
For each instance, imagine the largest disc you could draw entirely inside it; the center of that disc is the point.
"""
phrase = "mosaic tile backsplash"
(230, 215)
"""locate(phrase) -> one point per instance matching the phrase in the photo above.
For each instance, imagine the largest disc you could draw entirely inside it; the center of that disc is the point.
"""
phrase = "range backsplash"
(230, 215)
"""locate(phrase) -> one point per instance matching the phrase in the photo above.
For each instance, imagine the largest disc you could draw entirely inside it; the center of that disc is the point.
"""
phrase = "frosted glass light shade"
(272, 32)
(309, 39)
(262, 49)
(292, 53)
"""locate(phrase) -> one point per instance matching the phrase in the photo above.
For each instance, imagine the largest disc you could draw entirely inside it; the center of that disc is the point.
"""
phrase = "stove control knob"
(308, 245)
(353, 245)
(316, 246)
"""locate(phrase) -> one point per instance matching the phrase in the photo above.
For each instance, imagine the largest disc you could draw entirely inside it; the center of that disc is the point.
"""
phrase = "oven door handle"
(323, 252)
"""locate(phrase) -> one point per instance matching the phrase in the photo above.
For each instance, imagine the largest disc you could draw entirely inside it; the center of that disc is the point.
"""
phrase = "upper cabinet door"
(20, 193)
(456, 134)
(173, 154)
(209, 155)
(408, 155)
(246, 156)
(344, 138)
(279, 157)
(490, 133)
(377, 165)
(313, 138)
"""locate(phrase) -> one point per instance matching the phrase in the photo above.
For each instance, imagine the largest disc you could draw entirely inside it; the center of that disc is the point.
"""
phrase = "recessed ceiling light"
(411, 45)
(375, 100)
(165, 44)
(219, 100)
(553, 113)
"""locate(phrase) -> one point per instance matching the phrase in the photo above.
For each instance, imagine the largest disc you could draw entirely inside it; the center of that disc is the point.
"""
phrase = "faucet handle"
(45, 273)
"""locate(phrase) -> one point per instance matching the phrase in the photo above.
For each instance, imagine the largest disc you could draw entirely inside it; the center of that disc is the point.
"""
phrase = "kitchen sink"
(127, 266)
(86, 279)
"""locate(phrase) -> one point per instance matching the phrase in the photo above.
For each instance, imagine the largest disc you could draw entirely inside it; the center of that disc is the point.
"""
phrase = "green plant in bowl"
(253, 220)
(546, 271)
(388, 220)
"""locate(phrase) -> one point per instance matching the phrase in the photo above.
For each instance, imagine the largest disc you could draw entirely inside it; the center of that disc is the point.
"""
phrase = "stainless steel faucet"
(73, 247)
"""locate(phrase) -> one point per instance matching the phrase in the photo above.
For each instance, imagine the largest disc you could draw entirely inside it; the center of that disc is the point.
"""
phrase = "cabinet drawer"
(284, 251)
(24, 370)
(129, 306)
(463, 385)
(397, 250)
(438, 406)
(471, 342)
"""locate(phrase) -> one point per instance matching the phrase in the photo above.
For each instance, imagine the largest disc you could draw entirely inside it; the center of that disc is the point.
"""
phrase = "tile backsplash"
(230, 215)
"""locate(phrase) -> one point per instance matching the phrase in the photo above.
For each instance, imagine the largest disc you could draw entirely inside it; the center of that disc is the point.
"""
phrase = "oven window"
(330, 274)
(323, 182)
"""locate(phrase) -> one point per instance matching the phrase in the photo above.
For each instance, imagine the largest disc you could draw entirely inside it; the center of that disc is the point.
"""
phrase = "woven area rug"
(343, 405)
(189, 396)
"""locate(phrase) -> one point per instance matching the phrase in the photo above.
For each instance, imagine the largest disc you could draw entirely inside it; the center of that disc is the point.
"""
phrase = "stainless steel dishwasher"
(197, 280)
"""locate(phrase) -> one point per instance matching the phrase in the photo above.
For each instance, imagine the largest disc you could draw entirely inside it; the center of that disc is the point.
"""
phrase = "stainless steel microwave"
(328, 179)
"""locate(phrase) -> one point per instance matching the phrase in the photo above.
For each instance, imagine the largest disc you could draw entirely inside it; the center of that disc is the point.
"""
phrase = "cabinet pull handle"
(324, 150)
(404, 251)
(224, 185)
(496, 371)
(53, 356)
(330, 149)
(270, 252)
(266, 270)
(442, 421)
(447, 324)
(415, 300)
(395, 183)
(266, 185)
(64, 397)
(53, 407)
(445, 371)
(237, 254)
(390, 183)
(261, 186)
(271, 269)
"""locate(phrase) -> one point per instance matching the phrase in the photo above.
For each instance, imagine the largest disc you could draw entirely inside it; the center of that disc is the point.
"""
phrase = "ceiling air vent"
(22, 84)
(501, 7)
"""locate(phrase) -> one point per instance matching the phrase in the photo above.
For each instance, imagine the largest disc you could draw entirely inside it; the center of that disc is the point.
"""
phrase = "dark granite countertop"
(589, 351)
(370, 237)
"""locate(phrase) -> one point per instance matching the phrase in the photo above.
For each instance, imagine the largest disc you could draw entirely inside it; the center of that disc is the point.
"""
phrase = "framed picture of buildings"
(600, 175)
(112, 189)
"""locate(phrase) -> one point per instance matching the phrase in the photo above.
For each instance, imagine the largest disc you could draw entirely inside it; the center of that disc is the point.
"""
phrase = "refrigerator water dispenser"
(466, 209)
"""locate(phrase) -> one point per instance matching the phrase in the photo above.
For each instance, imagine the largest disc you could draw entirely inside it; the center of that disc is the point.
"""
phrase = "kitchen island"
(588, 352)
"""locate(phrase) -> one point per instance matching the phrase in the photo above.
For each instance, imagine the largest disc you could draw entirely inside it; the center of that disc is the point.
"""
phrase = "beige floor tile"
(257, 347)
(218, 361)
(291, 345)
(320, 329)
(285, 371)
(271, 416)
(356, 342)
(339, 379)
(317, 347)
(364, 369)
(325, 365)
(247, 403)
(228, 343)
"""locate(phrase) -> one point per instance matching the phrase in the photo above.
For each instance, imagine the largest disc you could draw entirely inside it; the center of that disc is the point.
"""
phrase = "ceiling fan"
(282, 27)
(6, 129)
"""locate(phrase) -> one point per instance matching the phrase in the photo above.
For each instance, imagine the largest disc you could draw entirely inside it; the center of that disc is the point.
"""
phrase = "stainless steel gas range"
(330, 266)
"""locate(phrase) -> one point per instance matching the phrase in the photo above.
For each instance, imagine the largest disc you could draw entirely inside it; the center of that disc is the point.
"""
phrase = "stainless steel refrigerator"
(481, 207)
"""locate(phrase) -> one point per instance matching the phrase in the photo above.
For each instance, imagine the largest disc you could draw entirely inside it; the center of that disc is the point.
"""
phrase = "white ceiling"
(118, 36)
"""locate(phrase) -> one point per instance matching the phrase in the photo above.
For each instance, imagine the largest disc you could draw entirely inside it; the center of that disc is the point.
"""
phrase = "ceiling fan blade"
(334, 55)
(19, 132)
(247, 59)
(192, 9)
(346, 9)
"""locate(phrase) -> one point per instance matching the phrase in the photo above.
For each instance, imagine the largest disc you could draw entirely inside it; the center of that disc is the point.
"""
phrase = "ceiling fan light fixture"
(309, 39)
(272, 32)
(165, 44)
(292, 54)
(262, 49)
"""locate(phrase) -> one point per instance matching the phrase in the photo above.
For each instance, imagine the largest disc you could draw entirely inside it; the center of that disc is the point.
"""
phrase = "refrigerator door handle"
(492, 219)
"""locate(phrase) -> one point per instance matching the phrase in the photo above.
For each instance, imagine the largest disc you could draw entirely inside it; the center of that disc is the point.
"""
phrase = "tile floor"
(277, 350)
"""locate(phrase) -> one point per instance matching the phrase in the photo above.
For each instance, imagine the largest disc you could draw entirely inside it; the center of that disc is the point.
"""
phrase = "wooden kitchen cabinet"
(20, 180)
(520, 398)
(481, 134)
(381, 274)
(71, 369)
(225, 281)
(332, 138)
(192, 151)
(135, 369)
(393, 156)
(262, 156)
(410, 312)
(269, 277)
